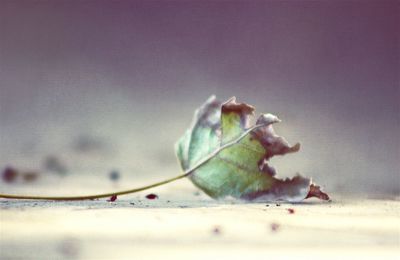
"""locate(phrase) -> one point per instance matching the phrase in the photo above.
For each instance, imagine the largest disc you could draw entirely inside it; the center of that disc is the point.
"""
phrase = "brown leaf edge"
(315, 191)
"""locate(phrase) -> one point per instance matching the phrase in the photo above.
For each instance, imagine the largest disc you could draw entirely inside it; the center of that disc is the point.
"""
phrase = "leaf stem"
(106, 195)
(90, 197)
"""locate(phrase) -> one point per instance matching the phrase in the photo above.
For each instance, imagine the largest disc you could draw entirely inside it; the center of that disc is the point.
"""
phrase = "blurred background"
(101, 90)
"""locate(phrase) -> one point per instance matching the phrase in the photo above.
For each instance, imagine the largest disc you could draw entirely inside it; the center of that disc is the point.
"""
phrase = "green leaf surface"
(227, 157)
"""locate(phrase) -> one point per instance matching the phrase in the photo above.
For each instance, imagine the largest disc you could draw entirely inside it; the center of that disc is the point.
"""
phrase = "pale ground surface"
(181, 225)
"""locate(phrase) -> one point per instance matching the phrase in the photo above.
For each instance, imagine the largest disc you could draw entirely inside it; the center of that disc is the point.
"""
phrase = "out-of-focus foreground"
(191, 226)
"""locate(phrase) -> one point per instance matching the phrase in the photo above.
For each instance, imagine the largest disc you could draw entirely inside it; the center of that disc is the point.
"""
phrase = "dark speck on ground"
(113, 198)
(216, 230)
(151, 196)
(275, 227)
(9, 174)
(114, 175)
(290, 210)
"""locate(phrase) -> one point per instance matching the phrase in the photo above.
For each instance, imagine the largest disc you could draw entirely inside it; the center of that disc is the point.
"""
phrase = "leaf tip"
(240, 108)
(315, 191)
(295, 148)
(267, 119)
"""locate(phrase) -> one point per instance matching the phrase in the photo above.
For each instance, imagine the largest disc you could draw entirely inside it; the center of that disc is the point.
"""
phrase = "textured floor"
(195, 227)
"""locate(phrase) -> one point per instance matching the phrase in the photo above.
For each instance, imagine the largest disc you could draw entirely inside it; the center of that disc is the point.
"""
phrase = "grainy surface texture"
(183, 224)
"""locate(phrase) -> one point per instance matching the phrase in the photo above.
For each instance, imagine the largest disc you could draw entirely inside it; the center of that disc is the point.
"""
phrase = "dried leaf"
(226, 156)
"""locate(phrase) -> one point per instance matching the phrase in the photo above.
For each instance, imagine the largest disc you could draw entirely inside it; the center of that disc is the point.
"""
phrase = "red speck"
(151, 196)
(113, 198)
(275, 226)
(291, 211)
(216, 231)
(9, 174)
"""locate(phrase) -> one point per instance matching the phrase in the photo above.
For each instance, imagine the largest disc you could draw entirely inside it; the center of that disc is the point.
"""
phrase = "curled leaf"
(226, 156)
